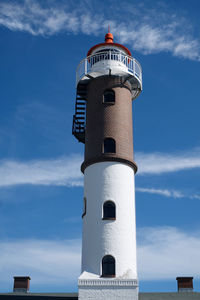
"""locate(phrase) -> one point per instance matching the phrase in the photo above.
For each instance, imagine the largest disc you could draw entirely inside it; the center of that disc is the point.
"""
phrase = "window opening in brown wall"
(109, 211)
(108, 266)
(109, 96)
(109, 146)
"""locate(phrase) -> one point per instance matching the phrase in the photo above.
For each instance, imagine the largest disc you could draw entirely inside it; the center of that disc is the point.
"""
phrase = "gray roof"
(38, 296)
(74, 296)
(169, 296)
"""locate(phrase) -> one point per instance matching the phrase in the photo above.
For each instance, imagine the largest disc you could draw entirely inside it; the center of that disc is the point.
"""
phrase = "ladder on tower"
(79, 118)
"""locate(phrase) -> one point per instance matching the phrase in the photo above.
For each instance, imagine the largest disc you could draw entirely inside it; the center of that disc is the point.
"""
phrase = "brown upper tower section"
(108, 79)
(109, 120)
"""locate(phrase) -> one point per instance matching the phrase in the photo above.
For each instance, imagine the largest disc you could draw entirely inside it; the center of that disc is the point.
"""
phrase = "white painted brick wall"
(109, 181)
(108, 293)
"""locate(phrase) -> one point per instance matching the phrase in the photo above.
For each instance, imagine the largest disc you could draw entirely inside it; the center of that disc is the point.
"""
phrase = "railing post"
(85, 66)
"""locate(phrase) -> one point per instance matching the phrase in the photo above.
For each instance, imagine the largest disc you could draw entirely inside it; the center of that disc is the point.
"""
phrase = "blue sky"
(41, 186)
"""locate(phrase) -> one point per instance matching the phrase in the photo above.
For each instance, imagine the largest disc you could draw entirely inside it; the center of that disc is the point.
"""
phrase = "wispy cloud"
(165, 252)
(158, 163)
(144, 29)
(63, 171)
(30, 17)
(58, 261)
(45, 261)
(161, 192)
(167, 193)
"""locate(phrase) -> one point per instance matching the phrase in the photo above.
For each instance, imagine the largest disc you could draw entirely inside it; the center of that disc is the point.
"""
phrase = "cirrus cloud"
(163, 253)
(159, 163)
(144, 29)
(65, 171)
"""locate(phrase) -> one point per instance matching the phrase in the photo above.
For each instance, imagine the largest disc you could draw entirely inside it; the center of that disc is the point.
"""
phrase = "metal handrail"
(132, 65)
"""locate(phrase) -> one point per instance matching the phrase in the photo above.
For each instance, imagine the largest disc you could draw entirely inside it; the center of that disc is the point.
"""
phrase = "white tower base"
(108, 289)
(109, 181)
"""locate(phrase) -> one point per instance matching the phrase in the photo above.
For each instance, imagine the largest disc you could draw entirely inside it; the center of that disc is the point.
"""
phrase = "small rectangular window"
(108, 266)
(109, 211)
(109, 96)
(109, 145)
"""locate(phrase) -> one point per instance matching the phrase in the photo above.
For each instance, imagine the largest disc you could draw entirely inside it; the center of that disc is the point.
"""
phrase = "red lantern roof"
(109, 41)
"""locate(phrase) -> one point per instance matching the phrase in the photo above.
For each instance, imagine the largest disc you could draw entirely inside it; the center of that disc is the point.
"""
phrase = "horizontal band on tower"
(92, 161)
(107, 282)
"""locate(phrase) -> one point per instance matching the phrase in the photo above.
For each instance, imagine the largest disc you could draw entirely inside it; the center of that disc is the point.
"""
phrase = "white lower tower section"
(105, 181)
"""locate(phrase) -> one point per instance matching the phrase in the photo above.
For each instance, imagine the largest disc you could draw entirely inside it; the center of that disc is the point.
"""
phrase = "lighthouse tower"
(108, 79)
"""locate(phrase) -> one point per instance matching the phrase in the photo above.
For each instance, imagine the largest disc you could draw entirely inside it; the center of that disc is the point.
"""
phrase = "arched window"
(108, 266)
(109, 211)
(84, 206)
(109, 145)
(109, 96)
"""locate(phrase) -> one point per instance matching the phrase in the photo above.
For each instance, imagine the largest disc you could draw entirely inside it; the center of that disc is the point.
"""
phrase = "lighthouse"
(107, 82)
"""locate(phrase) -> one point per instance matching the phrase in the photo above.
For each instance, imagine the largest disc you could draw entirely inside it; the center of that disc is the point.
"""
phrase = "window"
(84, 206)
(109, 96)
(109, 145)
(108, 266)
(106, 54)
(109, 211)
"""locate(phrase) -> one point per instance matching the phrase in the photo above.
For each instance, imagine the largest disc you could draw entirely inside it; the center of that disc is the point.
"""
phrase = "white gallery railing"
(128, 63)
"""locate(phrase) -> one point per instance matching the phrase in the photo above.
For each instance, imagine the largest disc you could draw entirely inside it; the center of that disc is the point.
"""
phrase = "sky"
(41, 186)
